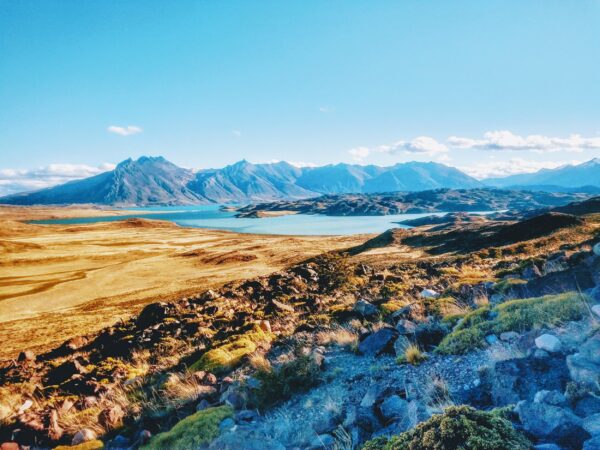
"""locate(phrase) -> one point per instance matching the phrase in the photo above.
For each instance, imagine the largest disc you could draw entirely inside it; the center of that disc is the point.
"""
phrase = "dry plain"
(59, 281)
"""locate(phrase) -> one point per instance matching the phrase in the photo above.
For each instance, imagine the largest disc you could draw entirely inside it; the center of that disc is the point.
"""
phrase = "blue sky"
(206, 83)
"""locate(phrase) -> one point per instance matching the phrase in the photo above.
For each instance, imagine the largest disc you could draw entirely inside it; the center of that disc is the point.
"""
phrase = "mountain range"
(156, 181)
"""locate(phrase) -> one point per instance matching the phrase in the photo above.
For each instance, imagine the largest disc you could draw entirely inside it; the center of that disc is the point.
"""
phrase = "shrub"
(280, 383)
(458, 428)
(515, 315)
(412, 355)
(191, 432)
(335, 270)
(228, 356)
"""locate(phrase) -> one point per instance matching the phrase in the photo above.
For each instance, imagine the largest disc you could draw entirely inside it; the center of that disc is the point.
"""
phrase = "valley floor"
(59, 281)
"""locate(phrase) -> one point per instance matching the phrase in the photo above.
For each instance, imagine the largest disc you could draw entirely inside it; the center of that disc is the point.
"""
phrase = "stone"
(400, 345)
(491, 339)
(370, 397)
(587, 406)
(365, 309)
(82, 436)
(282, 306)
(406, 326)
(596, 310)
(596, 249)
(118, 442)
(152, 314)
(591, 424)
(592, 444)
(509, 336)
(202, 405)
(226, 424)
(393, 407)
(555, 398)
(144, 437)
(429, 293)
(553, 423)
(76, 343)
(378, 342)
(549, 343)
(265, 325)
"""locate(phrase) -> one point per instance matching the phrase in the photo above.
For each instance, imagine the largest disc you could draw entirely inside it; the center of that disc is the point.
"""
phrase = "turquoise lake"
(210, 216)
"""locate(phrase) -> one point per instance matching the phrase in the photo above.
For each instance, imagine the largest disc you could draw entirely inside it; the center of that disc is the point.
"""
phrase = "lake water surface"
(210, 216)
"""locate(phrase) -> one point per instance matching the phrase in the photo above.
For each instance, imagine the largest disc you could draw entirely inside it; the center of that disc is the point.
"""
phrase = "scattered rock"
(393, 407)
(379, 342)
(592, 444)
(596, 249)
(365, 309)
(555, 398)
(83, 436)
(429, 293)
(227, 424)
(552, 423)
(282, 306)
(406, 326)
(246, 415)
(548, 343)
(27, 355)
(400, 345)
(202, 405)
(591, 424)
(491, 339)
(9, 446)
(596, 310)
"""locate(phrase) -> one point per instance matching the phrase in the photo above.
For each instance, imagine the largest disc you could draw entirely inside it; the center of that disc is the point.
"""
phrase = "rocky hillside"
(440, 200)
(376, 348)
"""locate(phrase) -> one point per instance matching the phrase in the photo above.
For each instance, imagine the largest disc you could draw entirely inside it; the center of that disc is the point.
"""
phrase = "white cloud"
(301, 164)
(19, 180)
(124, 131)
(359, 153)
(506, 140)
(236, 133)
(423, 145)
(498, 169)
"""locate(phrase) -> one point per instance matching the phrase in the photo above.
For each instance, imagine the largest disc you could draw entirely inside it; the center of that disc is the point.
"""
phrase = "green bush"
(229, 355)
(515, 315)
(191, 432)
(458, 428)
(280, 383)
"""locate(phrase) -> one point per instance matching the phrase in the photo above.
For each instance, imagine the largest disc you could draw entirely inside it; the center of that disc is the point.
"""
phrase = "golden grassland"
(60, 281)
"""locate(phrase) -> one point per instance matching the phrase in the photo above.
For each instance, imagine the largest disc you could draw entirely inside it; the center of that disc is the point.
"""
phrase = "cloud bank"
(506, 140)
(423, 145)
(514, 166)
(124, 131)
(20, 180)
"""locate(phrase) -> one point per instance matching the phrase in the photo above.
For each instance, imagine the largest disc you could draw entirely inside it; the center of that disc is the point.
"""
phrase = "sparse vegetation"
(458, 428)
(412, 355)
(280, 383)
(191, 432)
(515, 315)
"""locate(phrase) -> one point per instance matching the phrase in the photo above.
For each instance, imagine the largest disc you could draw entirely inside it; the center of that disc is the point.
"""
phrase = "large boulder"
(584, 366)
(591, 424)
(549, 343)
(379, 342)
(592, 444)
(393, 408)
(553, 423)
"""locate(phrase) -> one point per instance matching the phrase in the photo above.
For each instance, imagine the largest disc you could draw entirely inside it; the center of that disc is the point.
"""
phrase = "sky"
(493, 87)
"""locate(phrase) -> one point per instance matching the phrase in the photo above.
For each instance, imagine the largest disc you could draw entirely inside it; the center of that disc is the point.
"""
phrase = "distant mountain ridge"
(571, 176)
(156, 181)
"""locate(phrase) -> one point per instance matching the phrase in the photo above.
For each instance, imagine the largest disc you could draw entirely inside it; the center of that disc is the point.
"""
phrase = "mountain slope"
(572, 176)
(146, 181)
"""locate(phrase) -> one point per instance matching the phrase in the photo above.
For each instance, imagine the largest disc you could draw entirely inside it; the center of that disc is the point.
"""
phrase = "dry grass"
(58, 267)
(413, 355)
(341, 337)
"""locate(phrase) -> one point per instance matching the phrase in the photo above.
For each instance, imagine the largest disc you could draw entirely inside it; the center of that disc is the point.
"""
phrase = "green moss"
(191, 432)
(228, 356)
(515, 315)
(459, 428)
(89, 445)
